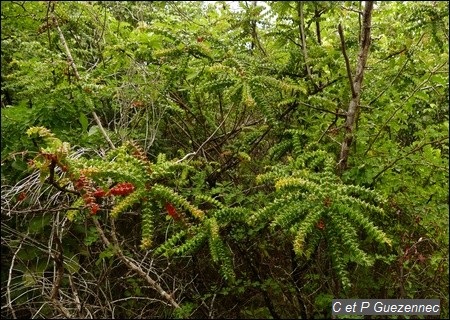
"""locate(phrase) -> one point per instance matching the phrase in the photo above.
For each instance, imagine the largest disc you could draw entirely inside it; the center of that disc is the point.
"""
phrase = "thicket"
(186, 159)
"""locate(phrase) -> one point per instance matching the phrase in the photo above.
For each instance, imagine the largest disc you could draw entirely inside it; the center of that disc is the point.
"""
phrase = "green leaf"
(84, 121)
(19, 165)
(28, 279)
(72, 264)
(439, 79)
(38, 223)
(92, 130)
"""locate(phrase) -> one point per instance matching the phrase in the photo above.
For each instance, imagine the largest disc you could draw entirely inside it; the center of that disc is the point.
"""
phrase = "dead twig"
(347, 63)
(131, 265)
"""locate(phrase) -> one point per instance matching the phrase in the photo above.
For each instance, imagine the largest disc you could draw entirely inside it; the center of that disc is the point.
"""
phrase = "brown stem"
(131, 265)
(58, 256)
(357, 84)
(347, 62)
(52, 181)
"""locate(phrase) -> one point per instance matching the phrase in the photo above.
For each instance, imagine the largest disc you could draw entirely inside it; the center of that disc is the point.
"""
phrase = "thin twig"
(401, 106)
(75, 294)
(58, 257)
(398, 74)
(77, 76)
(390, 165)
(303, 40)
(102, 130)
(131, 265)
(8, 284)
(207, 140)
(347, 62)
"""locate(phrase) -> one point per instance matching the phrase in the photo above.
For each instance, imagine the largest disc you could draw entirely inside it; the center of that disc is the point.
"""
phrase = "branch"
(43, 210)
(398, 74)
(77, 76)
(8, 284)
(131, 265)
(105, 135)
(387, 167)
(401, 106)
(347, 63)
(52, 181)
(58, 257)
(357, 84)
(66, 48)
(303, 39)
(351, 9)
(337, 114)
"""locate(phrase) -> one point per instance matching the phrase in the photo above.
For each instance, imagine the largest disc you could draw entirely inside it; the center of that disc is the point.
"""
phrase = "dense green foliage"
(185, 162)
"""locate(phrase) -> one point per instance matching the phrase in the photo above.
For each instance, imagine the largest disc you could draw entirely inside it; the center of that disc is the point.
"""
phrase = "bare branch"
(8, 285)
(347, 62)
(131, 265)
(390, 165)
(102, 130)
(303, 40)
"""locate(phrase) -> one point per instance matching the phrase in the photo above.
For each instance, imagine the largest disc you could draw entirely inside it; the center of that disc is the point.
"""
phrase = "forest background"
(217, 160)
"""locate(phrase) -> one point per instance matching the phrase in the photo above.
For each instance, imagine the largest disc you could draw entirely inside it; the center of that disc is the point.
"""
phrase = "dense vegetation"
(222, 160)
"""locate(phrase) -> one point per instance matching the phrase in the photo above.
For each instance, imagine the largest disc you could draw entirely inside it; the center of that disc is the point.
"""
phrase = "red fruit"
(31, 163)
(200, 39)
(22, 196)
(137, 104)
(80, 183)
(88, 199)
(123, 189)
(320, 224)
(94, 209)
(172, 211)
(99, 193)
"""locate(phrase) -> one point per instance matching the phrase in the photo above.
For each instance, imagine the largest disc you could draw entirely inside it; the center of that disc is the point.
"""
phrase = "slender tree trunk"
(301, 28)
(356, 85)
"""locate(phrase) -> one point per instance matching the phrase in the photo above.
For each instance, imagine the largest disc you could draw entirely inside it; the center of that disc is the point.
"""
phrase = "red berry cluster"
(87, 193)
(172, 211)
(99, 193)
(321, 224)
(90, 195)
(81, 183)
(122, 189)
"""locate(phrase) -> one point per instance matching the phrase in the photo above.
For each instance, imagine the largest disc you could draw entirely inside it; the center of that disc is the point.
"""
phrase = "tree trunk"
(356, 85)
